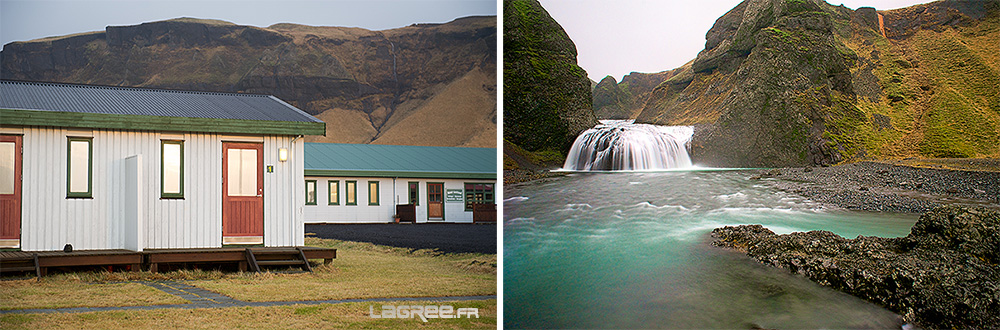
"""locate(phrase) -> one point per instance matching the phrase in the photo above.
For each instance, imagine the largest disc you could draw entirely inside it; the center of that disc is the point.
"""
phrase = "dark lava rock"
(944, 274)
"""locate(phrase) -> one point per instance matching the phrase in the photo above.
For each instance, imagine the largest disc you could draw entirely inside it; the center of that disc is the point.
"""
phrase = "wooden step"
(279, 262)
(275, 251)
(19, 269)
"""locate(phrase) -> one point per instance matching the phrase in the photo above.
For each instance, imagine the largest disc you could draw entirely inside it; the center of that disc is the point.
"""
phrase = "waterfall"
(623, 145)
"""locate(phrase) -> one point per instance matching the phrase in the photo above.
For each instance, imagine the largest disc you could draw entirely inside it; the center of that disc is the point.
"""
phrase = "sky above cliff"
(618, 37)
(22, 20)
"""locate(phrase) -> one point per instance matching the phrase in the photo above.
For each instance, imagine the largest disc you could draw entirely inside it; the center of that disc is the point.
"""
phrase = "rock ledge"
(944, 274)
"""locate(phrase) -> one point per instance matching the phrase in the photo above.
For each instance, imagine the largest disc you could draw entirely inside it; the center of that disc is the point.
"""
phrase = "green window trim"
(313, 202)
(163, 193)
(479, 195)
(352, 192)
(333, 189)
(90, 168)
(414, 192)
(373, 185)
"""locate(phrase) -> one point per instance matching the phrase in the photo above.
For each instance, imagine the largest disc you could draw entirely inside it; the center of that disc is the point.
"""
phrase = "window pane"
(373, 193)
(310, 192)
(334, 192)
(171, 168)
(414, 192)
(79, 172)
(6, 167)
(233, 171)
(248, 172)
(351, 190)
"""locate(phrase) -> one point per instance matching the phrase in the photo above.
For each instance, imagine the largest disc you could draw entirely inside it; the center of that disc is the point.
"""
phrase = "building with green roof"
(364, 183)
(107, 167)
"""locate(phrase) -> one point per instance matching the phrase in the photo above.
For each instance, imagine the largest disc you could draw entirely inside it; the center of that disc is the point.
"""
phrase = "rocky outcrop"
(547, 96)
(378, 78)
(610, 101)
(944, 274)
(802, 82)
(625, 99)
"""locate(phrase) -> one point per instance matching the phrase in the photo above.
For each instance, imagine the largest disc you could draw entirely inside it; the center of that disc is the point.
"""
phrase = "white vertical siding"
(388, 198)
(50, 220)
(283, 225)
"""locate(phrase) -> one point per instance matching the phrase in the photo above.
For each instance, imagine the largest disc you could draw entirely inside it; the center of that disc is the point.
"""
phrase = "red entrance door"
(435, 201)
(10, 191)
(242, 193)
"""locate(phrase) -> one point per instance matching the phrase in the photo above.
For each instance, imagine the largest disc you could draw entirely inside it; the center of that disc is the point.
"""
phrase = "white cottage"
(364, 183)
(130, 168)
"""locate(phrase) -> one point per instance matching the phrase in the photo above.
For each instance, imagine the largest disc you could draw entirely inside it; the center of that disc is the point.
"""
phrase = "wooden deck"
(40, 262)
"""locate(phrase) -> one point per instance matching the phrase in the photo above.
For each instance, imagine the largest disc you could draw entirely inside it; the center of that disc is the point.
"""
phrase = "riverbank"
(944, 274)
(892, 186)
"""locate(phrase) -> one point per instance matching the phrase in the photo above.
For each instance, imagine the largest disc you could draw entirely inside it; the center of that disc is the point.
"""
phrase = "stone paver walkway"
(201, 298)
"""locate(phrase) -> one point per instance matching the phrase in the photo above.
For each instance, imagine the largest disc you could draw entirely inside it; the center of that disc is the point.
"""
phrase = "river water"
(631, 250)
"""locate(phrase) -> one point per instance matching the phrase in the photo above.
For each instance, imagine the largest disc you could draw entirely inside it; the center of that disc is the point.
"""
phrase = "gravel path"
(883, 187)
(449, 238)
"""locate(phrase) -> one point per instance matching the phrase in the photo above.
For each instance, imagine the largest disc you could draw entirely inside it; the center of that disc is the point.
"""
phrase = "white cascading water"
(622, 145)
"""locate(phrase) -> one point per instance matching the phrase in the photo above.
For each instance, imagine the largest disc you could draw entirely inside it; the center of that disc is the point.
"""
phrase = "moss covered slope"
(797, 82)
(547, 100)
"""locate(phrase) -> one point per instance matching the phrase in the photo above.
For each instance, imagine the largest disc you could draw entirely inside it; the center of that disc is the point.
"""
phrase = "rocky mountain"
(547, 97)
(424, 84)
(614, 100)
(798, 82)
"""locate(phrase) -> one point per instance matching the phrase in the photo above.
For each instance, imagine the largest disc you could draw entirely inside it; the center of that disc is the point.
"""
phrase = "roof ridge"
(108, 87)
(395, 145)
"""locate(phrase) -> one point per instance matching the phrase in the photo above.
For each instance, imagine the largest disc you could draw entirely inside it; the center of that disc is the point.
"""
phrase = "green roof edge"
(158, 123)
(402, 174)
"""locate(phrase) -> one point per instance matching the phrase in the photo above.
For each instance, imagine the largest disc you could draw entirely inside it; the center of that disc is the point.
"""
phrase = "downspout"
(291, 179)
(395, 198)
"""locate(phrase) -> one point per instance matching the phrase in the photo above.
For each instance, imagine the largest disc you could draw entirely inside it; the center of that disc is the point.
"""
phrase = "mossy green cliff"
(547, 100)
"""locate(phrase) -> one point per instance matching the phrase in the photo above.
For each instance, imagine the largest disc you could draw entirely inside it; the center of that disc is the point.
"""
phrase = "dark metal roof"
(38, 96)
(374, 160)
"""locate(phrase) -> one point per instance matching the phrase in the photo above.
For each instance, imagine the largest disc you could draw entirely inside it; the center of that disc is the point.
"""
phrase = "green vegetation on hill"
(797, 82)
(547, 96)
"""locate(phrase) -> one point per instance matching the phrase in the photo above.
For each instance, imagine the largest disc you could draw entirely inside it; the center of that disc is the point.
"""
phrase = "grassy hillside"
(940, 91)
(797, 82)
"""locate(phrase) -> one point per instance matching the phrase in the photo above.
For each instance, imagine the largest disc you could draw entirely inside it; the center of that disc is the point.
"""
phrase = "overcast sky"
(620, 36)
(22, 20)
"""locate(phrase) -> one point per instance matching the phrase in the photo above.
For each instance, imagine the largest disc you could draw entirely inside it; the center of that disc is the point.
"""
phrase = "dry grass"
(459, 115)
(64, 291)
(364, 270)
(344, 126)
(340, 316)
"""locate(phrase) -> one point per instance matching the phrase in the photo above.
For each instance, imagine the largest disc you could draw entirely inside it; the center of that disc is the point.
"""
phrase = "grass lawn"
(64, 291)
(361, 270)
(365, 270)
(325, 316)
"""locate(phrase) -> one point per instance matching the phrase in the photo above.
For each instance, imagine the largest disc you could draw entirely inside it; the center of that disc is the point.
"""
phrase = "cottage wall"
(50, 219)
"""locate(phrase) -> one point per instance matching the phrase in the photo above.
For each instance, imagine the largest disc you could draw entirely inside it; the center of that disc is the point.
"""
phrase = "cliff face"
(797, 82)
(624, 100)
(547, 97)
(365, 81)
(610, 101)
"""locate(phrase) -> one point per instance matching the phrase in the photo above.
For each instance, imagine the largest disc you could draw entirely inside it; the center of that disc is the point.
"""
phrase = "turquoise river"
(632, 250)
